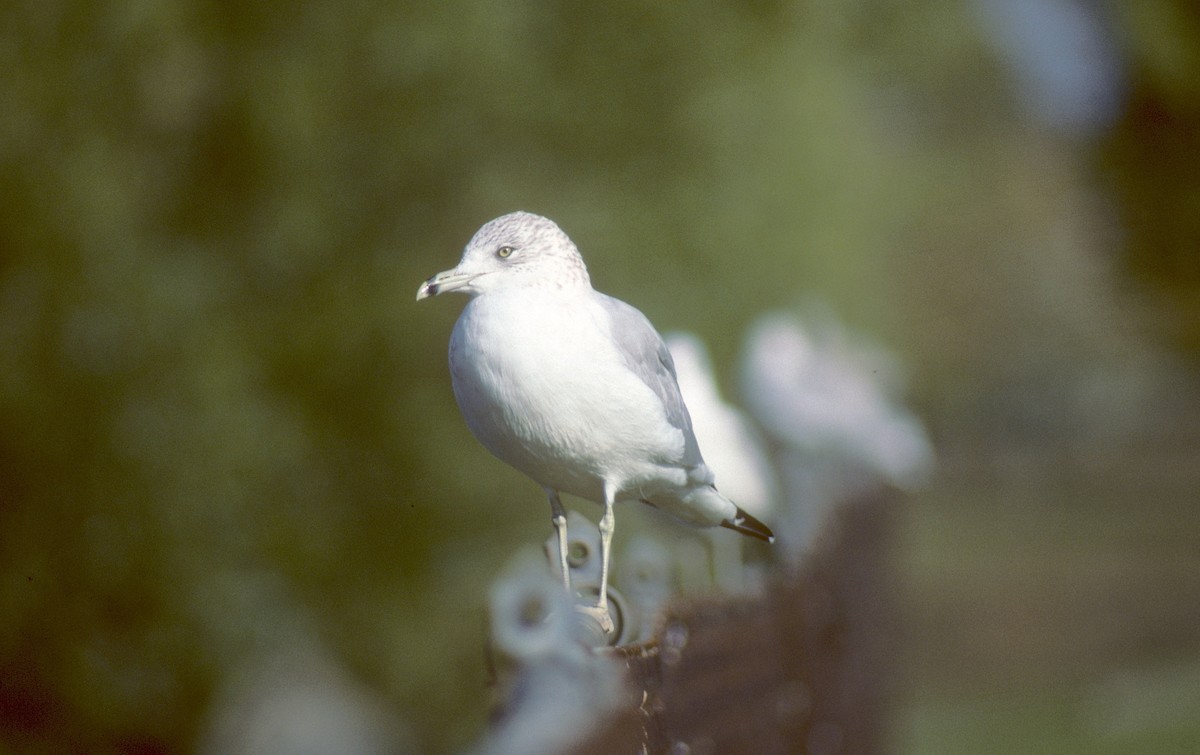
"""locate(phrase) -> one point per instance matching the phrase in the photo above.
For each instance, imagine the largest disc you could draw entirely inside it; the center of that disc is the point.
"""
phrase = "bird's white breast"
(514, 360)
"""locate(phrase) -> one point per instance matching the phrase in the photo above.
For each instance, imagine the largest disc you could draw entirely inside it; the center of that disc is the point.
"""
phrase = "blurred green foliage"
(223, 420)
(1152, 160)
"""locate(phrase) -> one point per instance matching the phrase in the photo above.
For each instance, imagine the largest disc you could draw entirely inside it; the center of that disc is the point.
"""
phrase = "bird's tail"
(748, 525)
(702, 505)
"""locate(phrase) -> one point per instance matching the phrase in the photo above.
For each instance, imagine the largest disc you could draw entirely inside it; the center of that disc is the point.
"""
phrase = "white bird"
(733, 448)
(573, 387)
(830, 393)
(829, 403)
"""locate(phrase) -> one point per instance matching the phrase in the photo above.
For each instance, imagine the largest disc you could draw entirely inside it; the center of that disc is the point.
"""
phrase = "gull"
(825, 390)
(829, 402)
(733, 447)
(572, 387)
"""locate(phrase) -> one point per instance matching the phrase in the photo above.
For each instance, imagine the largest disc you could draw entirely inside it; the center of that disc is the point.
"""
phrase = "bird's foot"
(601, 615)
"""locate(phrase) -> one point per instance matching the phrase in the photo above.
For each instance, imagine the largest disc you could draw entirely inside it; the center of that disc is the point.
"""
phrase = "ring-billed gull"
(732, 447)
(572, 387)
(829, 401)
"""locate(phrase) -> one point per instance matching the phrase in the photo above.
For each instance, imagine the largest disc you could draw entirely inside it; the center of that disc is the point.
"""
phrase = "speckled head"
(519, 249)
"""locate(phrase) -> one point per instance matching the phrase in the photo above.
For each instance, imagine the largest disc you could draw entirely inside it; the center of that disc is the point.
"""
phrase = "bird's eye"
(504, 252)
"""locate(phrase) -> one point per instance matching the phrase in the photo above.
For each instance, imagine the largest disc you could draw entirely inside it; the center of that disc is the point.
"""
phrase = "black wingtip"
(748, 525)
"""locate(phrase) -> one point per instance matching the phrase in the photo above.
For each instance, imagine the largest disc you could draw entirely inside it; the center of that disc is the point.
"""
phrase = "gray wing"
(645, 354)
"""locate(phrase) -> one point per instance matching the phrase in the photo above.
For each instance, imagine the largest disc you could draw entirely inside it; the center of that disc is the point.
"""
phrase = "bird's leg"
(607, 524)
(558, 515)
(599, 612)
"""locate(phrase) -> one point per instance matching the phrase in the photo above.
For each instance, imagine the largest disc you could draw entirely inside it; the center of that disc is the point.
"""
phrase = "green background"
(226, 428)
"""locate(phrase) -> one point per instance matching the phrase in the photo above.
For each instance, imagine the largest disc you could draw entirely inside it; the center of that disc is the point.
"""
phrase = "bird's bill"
(448, 280)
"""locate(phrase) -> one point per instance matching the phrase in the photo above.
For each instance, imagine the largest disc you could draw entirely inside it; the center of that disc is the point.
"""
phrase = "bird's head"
(515, 250)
